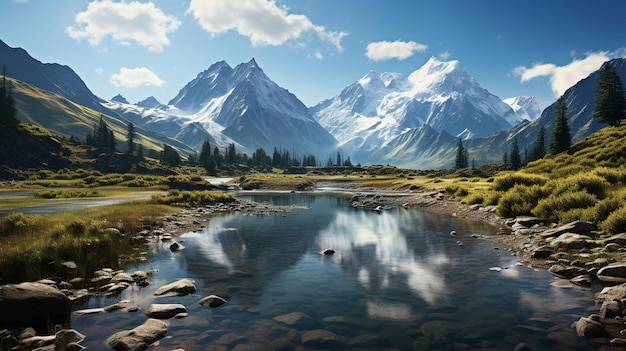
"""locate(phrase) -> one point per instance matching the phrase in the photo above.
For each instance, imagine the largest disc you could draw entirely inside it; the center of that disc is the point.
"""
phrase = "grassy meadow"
(585, 183)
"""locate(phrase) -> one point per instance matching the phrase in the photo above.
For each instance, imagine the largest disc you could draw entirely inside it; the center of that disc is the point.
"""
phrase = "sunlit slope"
(54, 112)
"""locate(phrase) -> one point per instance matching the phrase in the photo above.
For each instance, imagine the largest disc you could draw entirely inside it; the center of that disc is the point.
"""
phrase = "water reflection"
(375, 246)
(396, 277)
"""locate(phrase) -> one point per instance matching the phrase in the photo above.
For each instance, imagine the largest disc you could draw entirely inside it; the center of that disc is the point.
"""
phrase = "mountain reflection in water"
(397, 278)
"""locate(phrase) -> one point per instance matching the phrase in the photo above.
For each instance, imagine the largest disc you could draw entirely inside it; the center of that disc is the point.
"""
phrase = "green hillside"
(588, 182)
(54, 112)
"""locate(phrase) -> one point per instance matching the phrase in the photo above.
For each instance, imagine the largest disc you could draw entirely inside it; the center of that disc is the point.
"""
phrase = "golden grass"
(32, 246)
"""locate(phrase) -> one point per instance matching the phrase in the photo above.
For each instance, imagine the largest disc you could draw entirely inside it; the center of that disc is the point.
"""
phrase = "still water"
(398, 281)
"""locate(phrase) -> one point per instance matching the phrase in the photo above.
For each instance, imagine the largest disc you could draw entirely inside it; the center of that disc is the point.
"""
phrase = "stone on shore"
(139, 338)
(578, 227)
(32, 305)
(164, 311)
(573, 241)
(589, 326)
(181, 287)
(615, 273)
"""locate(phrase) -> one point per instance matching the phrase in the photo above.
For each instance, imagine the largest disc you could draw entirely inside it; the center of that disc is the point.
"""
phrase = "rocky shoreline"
(576, 252)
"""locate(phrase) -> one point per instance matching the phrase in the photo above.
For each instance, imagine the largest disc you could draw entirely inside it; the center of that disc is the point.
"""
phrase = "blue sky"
(315, 48)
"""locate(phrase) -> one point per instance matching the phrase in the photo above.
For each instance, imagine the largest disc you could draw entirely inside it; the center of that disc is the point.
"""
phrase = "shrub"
(508, 181)
(520, 200)
(615, 222)
(457, 190)
(553, 207)
(591, 183)
(476, 197)
(612, 175)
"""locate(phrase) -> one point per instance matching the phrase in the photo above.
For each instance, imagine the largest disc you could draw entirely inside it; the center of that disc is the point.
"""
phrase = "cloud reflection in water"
(385, 255)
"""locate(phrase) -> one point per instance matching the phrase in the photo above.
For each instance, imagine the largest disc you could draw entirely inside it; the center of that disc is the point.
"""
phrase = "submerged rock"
(139, 338)
(164, 311)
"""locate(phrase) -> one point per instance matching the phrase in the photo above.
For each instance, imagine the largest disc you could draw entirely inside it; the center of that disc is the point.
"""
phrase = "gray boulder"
(181, 287)
(619, 239)
(139, 338)
(578, 227)
(615, 273)
(564, 272)
(164, 311)
(212, 301)
(32, 305)
(573, 241)
(586, 326)
(611, 309)
(528, 221)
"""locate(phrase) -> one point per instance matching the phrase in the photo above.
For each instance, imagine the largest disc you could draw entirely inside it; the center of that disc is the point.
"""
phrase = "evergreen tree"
(205, 154)
(610, 101)
(538, 149)
(516, 161)
(217, 158)
(170, 156)
(561, 139)
(102, 137)
(130, 136)
(140, 152)
(461, 160)
(8, 114)
(505, 158)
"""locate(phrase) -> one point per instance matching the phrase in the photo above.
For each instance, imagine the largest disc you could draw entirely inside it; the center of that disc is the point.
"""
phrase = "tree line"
(610, 109)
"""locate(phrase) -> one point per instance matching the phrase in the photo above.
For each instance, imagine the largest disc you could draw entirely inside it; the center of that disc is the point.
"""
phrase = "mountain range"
(411, 121)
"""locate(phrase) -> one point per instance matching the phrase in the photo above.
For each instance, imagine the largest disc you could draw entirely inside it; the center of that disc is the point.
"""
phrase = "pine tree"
(516, 161)
(131, 135)
(170, 156)
(8, 114)
(461, 160)
(561, 139)
(610, 101)
(538, 149)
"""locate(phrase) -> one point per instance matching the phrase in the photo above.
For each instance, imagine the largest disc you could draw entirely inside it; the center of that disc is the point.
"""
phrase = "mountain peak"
(120, 98)
(252, 63)
(149, 102)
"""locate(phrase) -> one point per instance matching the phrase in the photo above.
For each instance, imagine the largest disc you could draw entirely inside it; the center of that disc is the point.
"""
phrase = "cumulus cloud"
(125, 22)
(386, 50)
(563, 77)
(262, 21)
(132, 78)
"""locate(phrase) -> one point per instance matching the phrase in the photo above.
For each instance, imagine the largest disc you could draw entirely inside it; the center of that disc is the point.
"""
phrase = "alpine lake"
(398, 280)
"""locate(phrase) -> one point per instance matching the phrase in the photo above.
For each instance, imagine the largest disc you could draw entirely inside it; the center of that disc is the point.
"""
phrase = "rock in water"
(139, 338)
(328, 252)
(212, 301)
(181, 287)
(164, 311)
(32, 305)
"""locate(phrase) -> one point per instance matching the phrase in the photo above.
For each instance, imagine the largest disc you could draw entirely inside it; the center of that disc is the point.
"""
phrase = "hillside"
(586, 183)
(56, 113)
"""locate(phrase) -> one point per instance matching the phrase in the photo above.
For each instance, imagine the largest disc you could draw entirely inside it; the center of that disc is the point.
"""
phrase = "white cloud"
(132, 78)
(563, 77)
(386, 50)
(444, 55)
(262, 21)
(125, 22)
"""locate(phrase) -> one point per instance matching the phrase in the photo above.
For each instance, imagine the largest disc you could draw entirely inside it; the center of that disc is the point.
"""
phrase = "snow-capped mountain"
(527, 107)
(248, 107)
(149, 102)
(372, 111)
